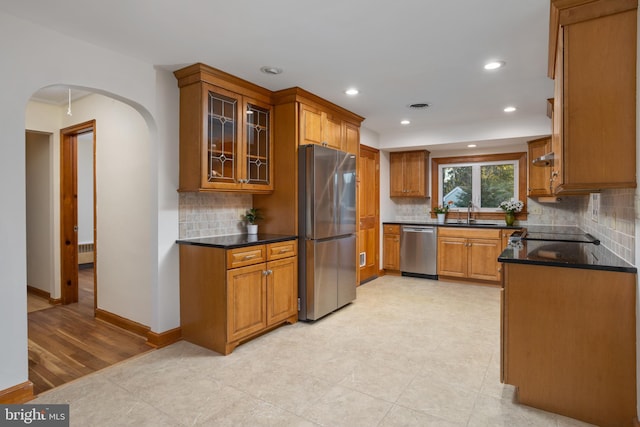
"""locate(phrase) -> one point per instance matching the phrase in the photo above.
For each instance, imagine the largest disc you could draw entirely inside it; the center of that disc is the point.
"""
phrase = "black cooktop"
(561, 237)
(559, 234)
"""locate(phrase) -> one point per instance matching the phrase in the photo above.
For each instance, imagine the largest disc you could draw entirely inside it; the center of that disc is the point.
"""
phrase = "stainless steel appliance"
(418, 251)
(327, 227)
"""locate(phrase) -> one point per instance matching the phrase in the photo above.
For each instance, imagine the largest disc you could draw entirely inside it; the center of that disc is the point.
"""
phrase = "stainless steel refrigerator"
(327, 227)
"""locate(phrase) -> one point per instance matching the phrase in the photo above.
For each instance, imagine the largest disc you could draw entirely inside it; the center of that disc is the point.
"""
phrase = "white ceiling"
(395, 52)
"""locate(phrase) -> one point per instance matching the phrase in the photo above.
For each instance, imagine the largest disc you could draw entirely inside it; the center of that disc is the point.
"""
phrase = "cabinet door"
(257, 150)
(539, 176)
(332, 131)
(396, 172)
(452, 256)
(482, 261)
(282, 289)
(310, 125)
(246, 295)
(222, 134)
(351, 138)
(391, 255)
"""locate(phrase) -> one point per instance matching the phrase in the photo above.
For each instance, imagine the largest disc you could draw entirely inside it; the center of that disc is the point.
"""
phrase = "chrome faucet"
(469, 208)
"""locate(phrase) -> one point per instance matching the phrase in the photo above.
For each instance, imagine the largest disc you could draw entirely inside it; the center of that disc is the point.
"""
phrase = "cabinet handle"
(247, 257)
(284, 250)
(265, 272)
(269, 272)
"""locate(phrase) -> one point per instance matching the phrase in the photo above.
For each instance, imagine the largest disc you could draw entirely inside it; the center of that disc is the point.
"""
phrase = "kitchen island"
(568, 330)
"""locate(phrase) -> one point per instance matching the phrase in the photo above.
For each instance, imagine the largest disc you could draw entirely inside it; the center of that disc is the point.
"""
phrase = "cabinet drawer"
(391, 229)
(282, 250)
(240, 257)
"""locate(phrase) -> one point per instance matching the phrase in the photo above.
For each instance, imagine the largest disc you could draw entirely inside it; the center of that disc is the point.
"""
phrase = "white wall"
(123, 205)
(34, 57)
(39, 224)
(85, 188)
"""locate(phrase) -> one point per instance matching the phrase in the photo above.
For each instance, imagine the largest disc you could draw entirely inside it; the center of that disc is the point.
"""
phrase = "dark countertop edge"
(455, 225)
(197, 241)
(620, 269)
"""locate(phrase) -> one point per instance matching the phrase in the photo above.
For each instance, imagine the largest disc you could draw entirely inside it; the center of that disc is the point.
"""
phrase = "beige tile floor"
(407, 352)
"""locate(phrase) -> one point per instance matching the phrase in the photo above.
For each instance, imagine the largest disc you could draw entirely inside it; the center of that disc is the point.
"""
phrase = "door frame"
(69, 212)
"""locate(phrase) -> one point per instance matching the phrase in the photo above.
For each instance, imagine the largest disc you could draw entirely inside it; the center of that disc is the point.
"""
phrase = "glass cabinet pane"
(258, 144)
(222, 138)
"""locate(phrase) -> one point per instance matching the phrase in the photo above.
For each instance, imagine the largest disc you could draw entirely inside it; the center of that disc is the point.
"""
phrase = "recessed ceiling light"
(271, 70)
(494, 65)
(352, 91)
(405, 122)
(472, 146)
(510, 109)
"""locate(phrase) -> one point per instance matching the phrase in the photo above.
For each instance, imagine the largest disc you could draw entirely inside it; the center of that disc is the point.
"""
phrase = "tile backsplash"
(212, 214)
(614, 226)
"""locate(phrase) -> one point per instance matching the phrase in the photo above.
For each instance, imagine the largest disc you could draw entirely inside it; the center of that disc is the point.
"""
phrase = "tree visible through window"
(480, 181)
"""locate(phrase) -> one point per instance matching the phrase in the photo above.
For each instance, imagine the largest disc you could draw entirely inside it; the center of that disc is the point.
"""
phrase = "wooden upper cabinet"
(225, 132)
(320, 127)
(408, 173)
(593, 62)
(539, 174)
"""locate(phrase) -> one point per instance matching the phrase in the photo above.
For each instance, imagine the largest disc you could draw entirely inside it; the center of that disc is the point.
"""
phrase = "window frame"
(520, 176)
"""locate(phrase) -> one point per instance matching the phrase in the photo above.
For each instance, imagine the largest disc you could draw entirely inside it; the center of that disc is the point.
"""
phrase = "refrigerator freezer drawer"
(328, 276)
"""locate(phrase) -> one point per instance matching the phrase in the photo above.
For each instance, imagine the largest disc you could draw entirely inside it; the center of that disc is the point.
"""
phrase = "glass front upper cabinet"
(238, 143)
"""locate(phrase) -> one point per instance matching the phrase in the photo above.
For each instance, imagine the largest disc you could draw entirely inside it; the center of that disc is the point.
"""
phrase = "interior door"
(369, 194)
(69, 211)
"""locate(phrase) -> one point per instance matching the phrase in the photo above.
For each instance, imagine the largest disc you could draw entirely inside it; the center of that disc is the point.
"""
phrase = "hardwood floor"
(68, 342)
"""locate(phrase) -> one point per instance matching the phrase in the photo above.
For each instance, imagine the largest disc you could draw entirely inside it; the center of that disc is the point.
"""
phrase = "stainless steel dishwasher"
(418, 251)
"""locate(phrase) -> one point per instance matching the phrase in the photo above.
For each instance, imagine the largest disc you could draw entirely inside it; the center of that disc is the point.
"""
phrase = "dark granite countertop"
(232, 241)
(564, 254)
(498, 224)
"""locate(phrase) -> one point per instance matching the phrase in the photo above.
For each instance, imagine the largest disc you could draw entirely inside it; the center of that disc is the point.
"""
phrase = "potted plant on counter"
(511, 207)
(441, 212)
(252, 216)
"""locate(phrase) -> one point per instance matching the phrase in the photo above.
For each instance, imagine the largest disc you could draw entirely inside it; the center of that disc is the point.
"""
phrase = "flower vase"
(509, 218)
(441, 217)
(252, 228)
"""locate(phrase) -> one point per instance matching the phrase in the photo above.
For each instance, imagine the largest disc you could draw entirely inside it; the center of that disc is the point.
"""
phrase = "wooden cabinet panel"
(246, 294)
(539, 176)
(282, 290)
(391, 247)
(408, 173)
(332, 132)
(310, 125)
(452, 256)
(351, 134)
(482, 257)
(282, 250)
(594, 134)
(319, 127)
(470, 253)
(240, 257)
(569, 341)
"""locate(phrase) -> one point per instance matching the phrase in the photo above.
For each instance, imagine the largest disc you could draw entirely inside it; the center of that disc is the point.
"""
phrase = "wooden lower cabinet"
(569, 341)
(222, 306)
(391, 248)
(470, 253)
